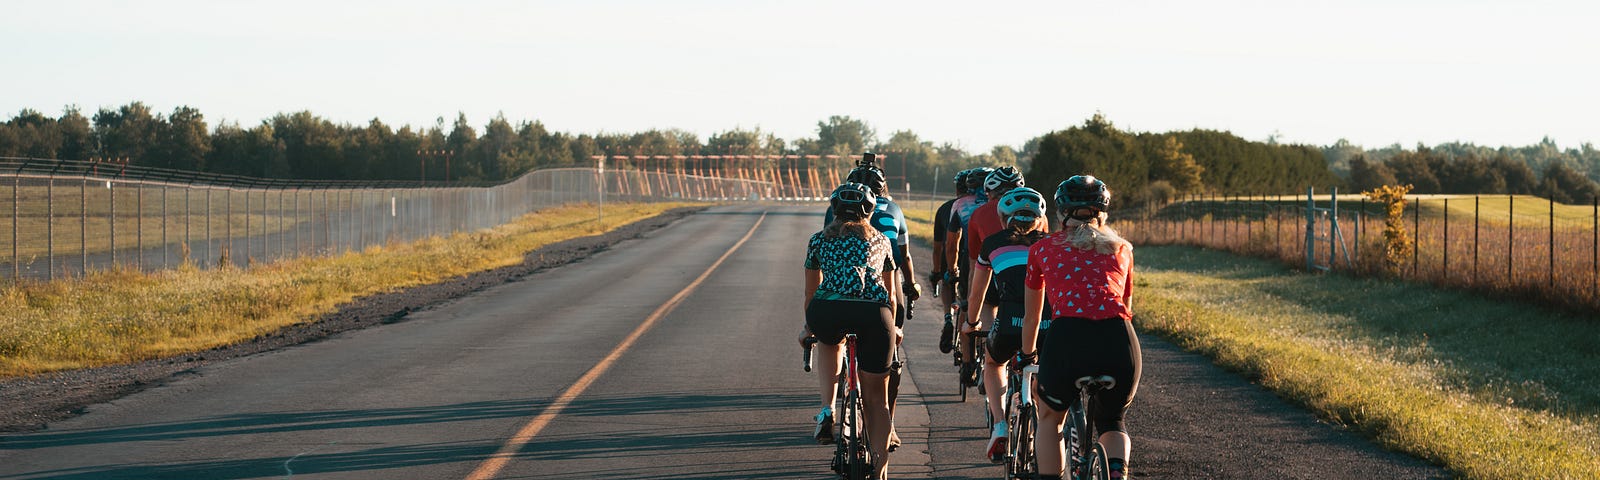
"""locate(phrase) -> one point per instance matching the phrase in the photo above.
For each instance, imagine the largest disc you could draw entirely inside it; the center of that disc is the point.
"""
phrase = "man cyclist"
(850, 288)
(940, 274)
(956, 256)
(1002, 263)
(1086, 272)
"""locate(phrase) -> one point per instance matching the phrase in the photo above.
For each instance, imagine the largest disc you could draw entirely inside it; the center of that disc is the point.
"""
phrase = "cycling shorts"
(1005, 337)
(1079, 347)
(873, 324)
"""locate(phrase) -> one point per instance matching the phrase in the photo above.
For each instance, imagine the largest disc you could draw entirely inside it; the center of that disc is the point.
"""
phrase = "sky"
(975, 74)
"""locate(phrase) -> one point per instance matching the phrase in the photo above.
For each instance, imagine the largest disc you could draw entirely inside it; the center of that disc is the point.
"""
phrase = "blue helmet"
(961, 182)
(1021, 204)
(976, 177)
(853, 197)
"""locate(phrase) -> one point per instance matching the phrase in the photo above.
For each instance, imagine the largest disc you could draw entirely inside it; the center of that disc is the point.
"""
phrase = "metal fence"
(1518, 245)
(69, 217)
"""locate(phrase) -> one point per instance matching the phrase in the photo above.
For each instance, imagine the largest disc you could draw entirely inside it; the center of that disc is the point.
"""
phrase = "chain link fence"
(70, 217)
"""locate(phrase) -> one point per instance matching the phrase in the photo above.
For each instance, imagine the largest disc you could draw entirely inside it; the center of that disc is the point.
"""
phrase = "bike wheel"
(859, 454)
(1023, 463)
(1099, 469)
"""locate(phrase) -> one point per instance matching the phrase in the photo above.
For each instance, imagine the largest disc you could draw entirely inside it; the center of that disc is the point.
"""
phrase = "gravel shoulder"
(32, 403)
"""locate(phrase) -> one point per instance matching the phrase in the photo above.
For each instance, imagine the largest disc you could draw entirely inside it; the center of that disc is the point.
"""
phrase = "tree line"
(1145, 168)
(1157, 168)
(302, 145)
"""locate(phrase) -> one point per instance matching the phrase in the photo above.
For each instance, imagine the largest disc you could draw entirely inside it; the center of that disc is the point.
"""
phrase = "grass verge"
(124, 316)
(1489, 389)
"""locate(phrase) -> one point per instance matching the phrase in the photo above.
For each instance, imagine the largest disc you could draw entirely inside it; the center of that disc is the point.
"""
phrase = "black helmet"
(1083, 191)
(961, 182)
(871, 177)
(853, 197)
(975, 178)
(1003, 178)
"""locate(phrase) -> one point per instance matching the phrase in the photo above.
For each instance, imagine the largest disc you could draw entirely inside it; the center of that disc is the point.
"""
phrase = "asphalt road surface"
(671, 356)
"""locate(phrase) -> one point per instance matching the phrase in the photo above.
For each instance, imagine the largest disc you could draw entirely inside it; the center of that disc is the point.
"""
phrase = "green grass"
(122, 316)
(1491, 390)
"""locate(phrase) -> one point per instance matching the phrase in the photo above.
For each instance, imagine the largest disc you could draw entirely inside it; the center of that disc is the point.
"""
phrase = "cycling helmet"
(853, 197)
(1022, 204)
(961, 182)
(1083, 191)
(871, 177)
(975, 178)
(1006, 177)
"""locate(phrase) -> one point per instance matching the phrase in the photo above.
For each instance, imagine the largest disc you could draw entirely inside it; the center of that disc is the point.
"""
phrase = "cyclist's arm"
(977, 289)
(893, 287)
(1032, 310)
(952, 239)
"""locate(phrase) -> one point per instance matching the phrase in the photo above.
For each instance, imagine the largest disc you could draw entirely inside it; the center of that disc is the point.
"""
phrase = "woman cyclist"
(850, 288)
(1002, 262)
(1085, 271)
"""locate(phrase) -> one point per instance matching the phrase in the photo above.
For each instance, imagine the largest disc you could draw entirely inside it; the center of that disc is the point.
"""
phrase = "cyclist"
(1002, 262)
(850, 288)
(956, 258)
(1086, 272)
(940, 274)
(891, 222)
(985, 221)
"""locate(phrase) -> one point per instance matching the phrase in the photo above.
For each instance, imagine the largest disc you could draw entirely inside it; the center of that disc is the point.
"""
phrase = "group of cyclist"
(1060, 299)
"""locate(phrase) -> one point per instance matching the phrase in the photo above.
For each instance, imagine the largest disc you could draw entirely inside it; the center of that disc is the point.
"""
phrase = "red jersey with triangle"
(1081, 283)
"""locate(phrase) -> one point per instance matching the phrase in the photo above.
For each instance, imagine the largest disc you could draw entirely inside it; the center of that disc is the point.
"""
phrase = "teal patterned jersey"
(852, 267)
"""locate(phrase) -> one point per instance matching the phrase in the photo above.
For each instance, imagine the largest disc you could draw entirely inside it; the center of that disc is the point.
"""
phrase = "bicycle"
(1021, 461)
(852, 453)
(1088, 457)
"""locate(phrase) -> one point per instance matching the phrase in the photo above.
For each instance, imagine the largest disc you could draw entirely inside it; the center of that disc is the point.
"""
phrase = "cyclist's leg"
(1003, 345)
(1125, 364)
(1048, 446)
(875, 339)
(823, 318)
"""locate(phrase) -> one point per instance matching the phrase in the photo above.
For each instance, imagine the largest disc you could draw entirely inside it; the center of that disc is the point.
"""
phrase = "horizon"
(1375, 73)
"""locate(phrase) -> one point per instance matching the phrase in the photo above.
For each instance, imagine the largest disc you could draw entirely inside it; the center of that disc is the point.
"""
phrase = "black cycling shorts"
(873, 324)
(1005, 337)
(1079, 347)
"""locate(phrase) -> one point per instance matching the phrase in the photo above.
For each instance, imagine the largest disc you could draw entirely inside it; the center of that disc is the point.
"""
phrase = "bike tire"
(1099, 468)
(860, 454)
(1027, 466)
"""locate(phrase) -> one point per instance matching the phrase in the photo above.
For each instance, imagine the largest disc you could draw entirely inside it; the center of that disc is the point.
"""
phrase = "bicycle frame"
(852, 452)
(1088, 457)
(1021, 462)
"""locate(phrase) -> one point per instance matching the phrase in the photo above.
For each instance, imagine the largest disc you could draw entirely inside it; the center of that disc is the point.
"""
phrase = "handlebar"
(805, 356)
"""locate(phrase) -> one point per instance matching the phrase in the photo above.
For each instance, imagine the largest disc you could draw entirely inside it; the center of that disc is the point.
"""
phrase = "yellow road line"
(492, 465)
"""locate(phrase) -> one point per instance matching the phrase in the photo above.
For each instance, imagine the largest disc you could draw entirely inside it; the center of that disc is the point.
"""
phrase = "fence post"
(1594, 229)
(247, 227)
(111, 199)
(1552, 269)
(138, 225)
(209, 255)
(1311, 226)
(50, 228)
(1476, 202)
(1444, 270)
(83, 225)
(1416, 236)
(1511, 237)
(16, 261)
(164, 244)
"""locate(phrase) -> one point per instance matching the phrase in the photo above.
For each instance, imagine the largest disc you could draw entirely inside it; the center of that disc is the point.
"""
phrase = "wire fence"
(1519, 246)
(69, 217)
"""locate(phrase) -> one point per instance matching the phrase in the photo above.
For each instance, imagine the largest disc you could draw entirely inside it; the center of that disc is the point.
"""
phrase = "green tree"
(1176, 167)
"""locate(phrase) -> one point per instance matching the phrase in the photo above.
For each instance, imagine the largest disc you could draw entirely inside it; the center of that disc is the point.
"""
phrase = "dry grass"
(123, 316)
(1491, 390)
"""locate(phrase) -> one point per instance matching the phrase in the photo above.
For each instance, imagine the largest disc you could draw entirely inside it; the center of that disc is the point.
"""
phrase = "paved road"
(553, 377)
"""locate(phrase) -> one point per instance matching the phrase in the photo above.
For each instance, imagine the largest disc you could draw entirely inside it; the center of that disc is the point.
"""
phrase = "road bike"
(1088, 457)
(1021, 462)
(852, 452)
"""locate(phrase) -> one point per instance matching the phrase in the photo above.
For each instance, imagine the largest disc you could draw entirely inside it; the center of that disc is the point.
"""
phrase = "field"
(122, 315)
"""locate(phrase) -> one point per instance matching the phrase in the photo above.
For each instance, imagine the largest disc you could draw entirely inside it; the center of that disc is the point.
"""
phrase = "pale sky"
(975, 73)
